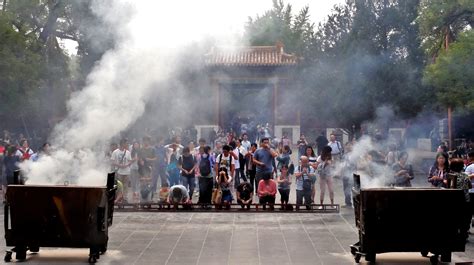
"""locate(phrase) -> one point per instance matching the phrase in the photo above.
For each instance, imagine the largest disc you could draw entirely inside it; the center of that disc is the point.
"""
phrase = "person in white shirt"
(225, 159)
(174, 148)
(336, 147)
(122, 160)
(178, 194)
(470, 170)
(245, 142)
(240, 155)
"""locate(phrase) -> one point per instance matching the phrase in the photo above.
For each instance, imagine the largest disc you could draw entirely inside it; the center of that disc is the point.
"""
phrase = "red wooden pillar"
(274, 105)
(216, 88)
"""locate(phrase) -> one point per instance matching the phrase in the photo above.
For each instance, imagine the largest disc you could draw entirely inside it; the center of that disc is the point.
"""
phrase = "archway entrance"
(245, 105)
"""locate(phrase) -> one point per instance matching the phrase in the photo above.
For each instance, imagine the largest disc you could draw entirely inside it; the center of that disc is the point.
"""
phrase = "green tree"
(452, 75)
(365, 55)
(35, 72)
(368, 56)
(20, 68)
(442, 21)
(279, 24)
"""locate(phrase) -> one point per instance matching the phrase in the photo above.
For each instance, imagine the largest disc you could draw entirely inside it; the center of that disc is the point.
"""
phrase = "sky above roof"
(223, 19)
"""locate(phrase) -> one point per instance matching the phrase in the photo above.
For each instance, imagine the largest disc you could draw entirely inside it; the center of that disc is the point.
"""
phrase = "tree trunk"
(4, 5)
(51, 22)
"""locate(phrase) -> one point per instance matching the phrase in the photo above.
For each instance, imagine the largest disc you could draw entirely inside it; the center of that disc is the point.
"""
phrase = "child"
(284, 184)
(164, 192)
(119, 194)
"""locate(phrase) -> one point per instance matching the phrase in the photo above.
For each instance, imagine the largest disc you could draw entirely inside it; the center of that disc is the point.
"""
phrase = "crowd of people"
(233, 169)
(236, 170)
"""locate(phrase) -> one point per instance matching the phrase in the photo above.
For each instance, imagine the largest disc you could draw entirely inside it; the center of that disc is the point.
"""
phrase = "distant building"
(254, 85)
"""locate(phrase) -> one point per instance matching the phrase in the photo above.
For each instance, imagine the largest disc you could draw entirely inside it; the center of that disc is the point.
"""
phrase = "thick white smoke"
(373, 174)
(150, 34)
(369, 153)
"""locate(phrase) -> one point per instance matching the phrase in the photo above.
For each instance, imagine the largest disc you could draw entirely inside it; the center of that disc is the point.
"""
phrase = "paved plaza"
(231, 238)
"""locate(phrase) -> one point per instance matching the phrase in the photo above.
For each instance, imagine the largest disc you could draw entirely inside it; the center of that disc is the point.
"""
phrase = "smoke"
(368, 154)
(150, 37)
(373, 173)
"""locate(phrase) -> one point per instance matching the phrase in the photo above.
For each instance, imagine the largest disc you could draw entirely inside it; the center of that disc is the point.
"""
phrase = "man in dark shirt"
(11, 164)
(146, 158)
(146, 161)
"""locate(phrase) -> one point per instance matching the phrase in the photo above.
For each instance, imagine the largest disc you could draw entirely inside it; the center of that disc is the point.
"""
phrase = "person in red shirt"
(267, 190)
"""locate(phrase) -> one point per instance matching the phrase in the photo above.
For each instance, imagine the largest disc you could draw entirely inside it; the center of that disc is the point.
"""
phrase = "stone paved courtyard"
(231, 238)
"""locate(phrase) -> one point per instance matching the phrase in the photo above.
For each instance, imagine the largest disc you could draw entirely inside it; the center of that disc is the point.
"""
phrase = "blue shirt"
(160, 152)
(264, 156)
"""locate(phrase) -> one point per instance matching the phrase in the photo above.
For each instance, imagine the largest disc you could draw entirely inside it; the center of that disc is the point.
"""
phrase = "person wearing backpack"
(187, 165)
(225, 160)
(305, 174)
(337, 150)
(250, 166)
(239, 152)
(205, 176)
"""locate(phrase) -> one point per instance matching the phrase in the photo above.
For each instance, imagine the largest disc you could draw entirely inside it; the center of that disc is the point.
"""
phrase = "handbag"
(216, 195)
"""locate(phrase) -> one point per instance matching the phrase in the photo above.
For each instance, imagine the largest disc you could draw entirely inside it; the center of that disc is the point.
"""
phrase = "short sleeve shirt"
(265, 157)
(184, 194)
(469, 171)
(299, 181)
(122, 158)
(225, 161)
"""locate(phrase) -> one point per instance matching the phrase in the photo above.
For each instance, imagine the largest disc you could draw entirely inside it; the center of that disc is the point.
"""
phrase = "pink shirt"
(269, 187)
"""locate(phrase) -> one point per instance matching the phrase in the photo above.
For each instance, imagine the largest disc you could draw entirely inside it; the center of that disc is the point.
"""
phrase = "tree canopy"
(446, 28)
(37, 74)
(440, 20)
(365, 55)
(452, 75)
(411, 55)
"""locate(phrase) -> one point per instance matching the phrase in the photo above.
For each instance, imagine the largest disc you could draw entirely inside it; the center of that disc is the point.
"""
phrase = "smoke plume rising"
(149, 37)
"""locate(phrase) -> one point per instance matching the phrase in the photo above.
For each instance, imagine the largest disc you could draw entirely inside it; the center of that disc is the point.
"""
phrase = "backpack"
(341, 149)
(324, 170)
(205, 166)
(241, 158)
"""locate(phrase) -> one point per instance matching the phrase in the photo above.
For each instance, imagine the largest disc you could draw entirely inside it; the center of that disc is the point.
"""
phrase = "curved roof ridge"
(250, 56)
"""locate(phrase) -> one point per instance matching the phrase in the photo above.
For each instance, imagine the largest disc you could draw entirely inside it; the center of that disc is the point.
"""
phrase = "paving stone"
(231, 238)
